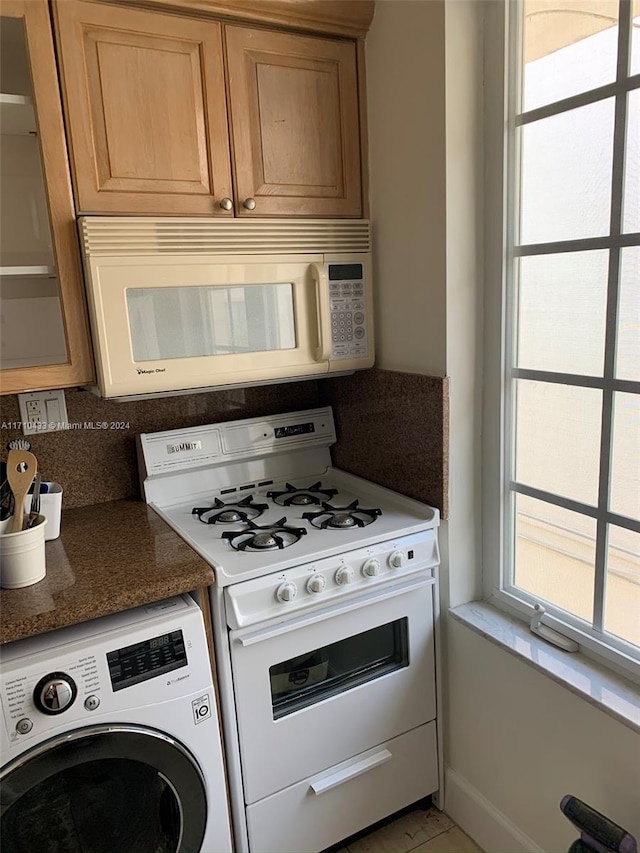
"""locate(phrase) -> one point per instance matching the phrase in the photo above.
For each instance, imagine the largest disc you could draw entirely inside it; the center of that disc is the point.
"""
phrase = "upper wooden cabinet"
(44, 337)
(294, 123)
(146, 109)
(151, 130)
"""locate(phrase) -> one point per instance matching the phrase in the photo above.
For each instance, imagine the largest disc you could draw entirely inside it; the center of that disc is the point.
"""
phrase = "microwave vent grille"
(135, 236)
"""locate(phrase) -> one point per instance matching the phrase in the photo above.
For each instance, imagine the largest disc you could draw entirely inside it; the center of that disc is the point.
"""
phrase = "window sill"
(602, 688)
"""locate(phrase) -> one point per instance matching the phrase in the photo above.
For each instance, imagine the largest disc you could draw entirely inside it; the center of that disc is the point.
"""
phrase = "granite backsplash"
(392, 429)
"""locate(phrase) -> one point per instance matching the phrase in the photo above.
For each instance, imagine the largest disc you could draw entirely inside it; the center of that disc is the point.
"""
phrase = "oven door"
(317, 689)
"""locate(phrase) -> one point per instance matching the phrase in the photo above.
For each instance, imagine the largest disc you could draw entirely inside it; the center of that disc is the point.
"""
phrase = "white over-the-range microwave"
(186, 304)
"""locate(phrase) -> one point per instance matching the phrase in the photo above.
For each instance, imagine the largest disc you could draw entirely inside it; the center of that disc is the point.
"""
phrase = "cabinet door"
(294, 121)
(45, 337)
(146, 110)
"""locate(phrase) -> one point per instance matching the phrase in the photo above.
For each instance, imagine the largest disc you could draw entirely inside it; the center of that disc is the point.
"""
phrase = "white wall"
(405, 87)
(464, 285)
(515, 741)
(523, 742)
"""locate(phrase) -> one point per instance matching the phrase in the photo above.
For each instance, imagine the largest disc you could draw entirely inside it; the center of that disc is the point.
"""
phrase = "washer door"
(104, 789)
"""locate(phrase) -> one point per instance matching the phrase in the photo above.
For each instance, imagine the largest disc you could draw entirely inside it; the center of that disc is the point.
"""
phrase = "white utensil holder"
(22, 555)
(50, 507)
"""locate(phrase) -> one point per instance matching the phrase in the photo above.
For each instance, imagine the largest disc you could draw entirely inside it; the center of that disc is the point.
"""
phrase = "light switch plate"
(43, 411)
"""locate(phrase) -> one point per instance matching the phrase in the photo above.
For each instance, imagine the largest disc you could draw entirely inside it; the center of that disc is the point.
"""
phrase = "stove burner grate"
(299, 496)
(236, 512)
(342, 517)
(264, 537)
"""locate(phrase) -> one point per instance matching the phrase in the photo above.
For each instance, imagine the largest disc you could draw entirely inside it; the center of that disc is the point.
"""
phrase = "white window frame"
(501, 96)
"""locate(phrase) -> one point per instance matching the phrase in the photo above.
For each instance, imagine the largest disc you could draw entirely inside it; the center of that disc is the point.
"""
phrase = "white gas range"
(325, 609)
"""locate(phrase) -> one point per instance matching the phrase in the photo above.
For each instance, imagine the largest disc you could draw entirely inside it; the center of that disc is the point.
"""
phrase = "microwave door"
(204, 322)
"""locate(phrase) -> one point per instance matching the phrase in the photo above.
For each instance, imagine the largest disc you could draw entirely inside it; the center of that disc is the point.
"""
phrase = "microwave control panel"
(348, 307)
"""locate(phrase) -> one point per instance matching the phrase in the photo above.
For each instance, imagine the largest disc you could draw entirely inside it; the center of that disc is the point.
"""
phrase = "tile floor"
(419, 830)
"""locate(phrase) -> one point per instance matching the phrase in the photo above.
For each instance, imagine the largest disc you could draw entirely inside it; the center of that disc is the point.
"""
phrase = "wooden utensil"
(22, 467)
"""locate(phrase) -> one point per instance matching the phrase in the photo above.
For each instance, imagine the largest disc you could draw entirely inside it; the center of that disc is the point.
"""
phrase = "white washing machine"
(110, 737)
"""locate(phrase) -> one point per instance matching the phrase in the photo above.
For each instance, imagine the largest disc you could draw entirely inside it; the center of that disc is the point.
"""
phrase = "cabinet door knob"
(249, 203)
(226, 204)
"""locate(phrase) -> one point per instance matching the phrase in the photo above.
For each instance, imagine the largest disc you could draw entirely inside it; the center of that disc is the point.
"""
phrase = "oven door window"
(306, 679)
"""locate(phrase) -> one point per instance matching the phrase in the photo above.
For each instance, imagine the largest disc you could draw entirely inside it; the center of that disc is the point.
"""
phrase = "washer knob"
(397, 559)
(371, 568)
(54, 693)
(287, 591)
(316, 583)
(344, 575)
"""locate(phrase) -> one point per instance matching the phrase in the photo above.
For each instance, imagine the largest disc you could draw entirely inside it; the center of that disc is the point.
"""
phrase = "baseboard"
(480, 819)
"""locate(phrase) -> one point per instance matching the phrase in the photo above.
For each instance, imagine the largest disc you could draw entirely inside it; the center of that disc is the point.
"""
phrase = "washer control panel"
(147, 659)
(34, 700)
(103, 668)
(348, 308)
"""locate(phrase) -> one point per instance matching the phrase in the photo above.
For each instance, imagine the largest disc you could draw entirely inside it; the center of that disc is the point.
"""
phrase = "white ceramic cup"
(22, 559)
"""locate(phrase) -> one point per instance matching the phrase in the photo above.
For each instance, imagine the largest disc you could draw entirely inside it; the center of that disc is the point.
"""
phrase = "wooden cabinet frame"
(78, 370)
(348, 18)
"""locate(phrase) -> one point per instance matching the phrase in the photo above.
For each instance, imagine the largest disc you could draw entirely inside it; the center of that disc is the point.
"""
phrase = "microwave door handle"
(319, 275)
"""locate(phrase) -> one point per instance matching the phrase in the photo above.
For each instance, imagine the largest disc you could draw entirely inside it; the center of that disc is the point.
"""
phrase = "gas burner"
(342, 517)
(255, 537)
(293, 496)
(236, 512)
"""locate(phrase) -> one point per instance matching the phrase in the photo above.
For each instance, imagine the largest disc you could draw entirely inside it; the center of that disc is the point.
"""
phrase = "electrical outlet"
(34, 412)
(43, 411)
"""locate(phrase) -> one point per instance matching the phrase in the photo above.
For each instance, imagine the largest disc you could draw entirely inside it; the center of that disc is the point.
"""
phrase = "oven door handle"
(326, 783)
(250, 638)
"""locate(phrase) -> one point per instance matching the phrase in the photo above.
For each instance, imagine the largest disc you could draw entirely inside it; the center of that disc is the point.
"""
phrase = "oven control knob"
(54, 693)
(371, 568)
(316, 583)
(344, 575)
(397, 559)
(287, 591)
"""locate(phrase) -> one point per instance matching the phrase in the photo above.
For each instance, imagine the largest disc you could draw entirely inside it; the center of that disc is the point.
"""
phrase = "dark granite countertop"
(109, 557)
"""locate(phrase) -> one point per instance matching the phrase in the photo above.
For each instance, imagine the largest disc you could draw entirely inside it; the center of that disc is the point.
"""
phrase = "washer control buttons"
(316, 583)
(371, 568)
(54, 693)
(24, 726)
(91, 703)
(344, 575)
(287, 591)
